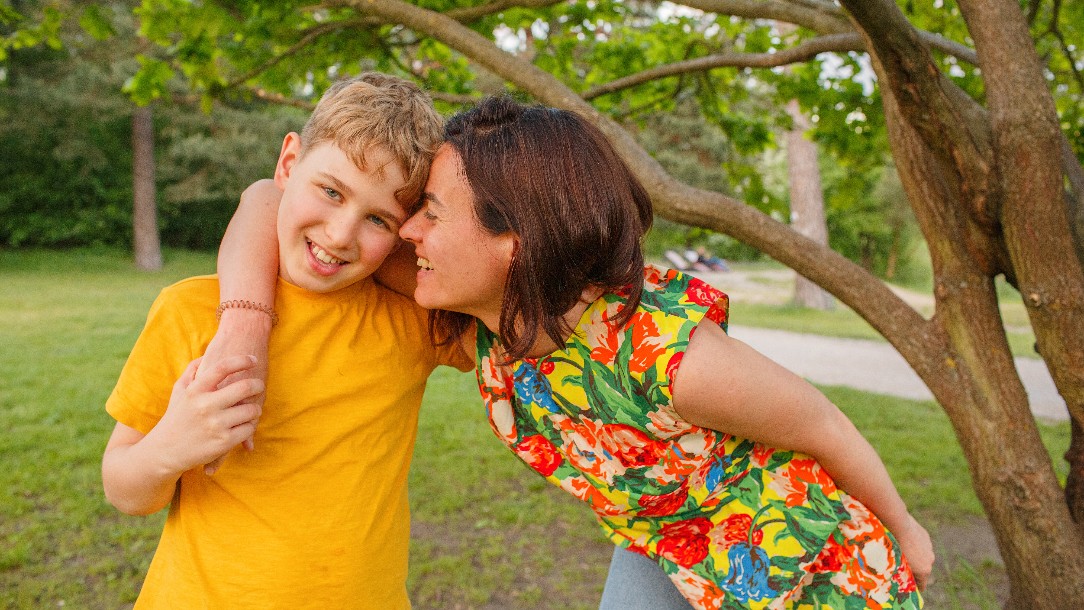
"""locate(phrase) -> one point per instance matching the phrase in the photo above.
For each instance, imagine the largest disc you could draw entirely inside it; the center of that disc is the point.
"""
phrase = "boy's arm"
(206, 417)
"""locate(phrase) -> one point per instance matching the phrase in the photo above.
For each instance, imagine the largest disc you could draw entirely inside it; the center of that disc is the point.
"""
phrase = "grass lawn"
(487, 532)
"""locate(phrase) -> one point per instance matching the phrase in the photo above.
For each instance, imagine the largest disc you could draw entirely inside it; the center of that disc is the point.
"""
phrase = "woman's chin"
(427, 300)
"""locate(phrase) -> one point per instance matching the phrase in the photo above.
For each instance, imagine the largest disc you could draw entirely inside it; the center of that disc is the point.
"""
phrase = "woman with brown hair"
(705, 463)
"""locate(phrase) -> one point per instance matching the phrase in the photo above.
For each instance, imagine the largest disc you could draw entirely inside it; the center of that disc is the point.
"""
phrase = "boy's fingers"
(189, 373)
(239, 393)
(209, 378)
(212, 467)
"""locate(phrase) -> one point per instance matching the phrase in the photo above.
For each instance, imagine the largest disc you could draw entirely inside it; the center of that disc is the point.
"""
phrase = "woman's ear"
(507, 247)
(288, 156)
(591, 294)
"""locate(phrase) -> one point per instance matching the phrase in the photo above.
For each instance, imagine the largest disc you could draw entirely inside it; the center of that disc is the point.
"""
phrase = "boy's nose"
(343, 230)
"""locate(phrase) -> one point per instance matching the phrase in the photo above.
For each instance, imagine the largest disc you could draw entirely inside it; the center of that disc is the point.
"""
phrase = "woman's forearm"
(857, 469)
(248, 259)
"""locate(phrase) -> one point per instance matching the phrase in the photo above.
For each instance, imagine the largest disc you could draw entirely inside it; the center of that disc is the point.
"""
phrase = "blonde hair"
(374, 109)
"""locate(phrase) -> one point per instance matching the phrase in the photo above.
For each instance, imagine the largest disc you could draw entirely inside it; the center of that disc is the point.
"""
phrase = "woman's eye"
(426, 214)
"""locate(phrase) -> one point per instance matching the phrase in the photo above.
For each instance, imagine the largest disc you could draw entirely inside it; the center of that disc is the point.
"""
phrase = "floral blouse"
(734, 523)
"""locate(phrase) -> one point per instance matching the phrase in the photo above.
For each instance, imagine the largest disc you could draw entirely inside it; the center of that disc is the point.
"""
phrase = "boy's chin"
(322, 284)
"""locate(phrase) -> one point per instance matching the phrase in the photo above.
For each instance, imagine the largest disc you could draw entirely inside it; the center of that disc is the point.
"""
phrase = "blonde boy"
(316, 516)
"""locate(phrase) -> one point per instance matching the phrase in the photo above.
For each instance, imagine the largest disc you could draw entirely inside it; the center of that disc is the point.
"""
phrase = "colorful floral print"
(735, 524)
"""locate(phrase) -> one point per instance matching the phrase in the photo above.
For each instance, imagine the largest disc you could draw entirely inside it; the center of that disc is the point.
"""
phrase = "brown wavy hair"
(554, 180)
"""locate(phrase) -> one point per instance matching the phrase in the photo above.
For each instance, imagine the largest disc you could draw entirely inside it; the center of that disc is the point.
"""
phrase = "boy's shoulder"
(198, 289)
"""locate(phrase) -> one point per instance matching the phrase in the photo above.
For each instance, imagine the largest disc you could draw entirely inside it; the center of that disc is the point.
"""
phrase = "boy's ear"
(288, 156)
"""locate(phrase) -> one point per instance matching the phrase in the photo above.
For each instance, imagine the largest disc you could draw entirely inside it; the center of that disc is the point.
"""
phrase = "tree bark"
(806, 203)
(145, 240)
(1028, 151)
(954, 188)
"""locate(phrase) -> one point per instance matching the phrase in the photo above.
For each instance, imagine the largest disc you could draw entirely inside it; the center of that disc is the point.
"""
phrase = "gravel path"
(871, 366)
(877, 367)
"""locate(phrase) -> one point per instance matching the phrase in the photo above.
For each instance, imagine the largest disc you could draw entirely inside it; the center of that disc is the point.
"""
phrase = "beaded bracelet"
(243, 304)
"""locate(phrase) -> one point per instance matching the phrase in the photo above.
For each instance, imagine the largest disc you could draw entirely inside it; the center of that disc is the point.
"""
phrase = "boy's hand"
(240, 332)
(208, 415)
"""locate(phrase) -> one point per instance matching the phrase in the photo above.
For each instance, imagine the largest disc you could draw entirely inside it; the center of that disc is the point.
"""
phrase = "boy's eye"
(378, 221)
(332, 193)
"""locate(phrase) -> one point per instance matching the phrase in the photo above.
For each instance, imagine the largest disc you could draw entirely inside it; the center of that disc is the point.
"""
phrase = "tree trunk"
(1028, 152)
(949, 168)
(145, 240)
(806, 203)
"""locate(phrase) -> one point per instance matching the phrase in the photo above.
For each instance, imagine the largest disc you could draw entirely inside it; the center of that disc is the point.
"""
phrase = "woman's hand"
(241, 332)
(917, 549)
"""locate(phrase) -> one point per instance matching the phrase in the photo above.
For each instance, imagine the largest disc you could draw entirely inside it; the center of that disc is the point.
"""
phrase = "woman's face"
(463, 267)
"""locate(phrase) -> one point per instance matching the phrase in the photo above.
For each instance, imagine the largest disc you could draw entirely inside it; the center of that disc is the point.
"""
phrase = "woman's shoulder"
(669, 292)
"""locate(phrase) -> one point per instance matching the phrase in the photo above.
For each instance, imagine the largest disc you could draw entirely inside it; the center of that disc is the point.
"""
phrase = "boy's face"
(336, 222)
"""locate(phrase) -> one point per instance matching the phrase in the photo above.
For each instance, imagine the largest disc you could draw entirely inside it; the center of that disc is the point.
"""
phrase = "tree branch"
(804, 51)
(473, 13)
(821, 17)
(310, 35)
(850, 283)
(934, 105)
(465, 14)
(832, 43)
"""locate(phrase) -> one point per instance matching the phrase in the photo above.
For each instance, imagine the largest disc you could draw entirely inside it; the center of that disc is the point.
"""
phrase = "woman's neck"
(544, 344)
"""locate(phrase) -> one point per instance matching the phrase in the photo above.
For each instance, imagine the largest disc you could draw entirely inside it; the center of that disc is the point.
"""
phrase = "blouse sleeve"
(670, 309)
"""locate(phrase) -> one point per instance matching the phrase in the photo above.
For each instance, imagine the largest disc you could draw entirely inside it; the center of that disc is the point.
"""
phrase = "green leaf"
(96, 23)
(150, 82)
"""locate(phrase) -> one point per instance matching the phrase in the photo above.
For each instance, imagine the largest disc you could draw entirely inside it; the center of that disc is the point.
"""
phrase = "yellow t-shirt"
(317, 515)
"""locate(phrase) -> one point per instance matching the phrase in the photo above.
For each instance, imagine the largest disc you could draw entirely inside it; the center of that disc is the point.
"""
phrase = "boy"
(317, 515)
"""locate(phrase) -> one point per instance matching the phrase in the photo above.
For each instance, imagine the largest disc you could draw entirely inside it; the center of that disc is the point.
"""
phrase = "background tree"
(983, 157)
(66, 135)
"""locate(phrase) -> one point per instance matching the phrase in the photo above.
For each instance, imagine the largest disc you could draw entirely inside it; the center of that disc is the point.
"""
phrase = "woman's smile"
(461, 266)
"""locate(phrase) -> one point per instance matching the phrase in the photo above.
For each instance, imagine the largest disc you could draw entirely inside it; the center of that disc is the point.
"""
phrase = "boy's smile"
(337, 222)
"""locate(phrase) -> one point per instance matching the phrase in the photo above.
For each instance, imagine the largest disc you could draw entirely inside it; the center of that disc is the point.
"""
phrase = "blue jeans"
(638, 583)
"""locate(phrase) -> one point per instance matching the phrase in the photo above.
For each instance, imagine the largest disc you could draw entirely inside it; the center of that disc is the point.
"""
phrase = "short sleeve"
(161, 353)
(691, 302)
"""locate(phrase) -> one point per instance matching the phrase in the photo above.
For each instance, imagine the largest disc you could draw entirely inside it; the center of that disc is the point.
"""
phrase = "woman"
(706, 463)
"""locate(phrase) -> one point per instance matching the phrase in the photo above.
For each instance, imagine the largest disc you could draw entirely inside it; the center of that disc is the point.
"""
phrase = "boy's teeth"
(324, 257)
(424, 263)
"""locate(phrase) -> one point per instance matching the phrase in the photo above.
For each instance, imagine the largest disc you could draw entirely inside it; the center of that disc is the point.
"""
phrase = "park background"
(115, 113)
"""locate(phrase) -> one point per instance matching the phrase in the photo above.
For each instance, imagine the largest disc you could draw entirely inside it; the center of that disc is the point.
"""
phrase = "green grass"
(487, 532)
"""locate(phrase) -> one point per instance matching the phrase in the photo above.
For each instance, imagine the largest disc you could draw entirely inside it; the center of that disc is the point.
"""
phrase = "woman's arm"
(399, 271)
(248, 264)
(725, 385)
(248, 259)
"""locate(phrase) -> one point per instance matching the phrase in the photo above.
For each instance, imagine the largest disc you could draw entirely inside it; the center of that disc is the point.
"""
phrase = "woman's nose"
(410, 229)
